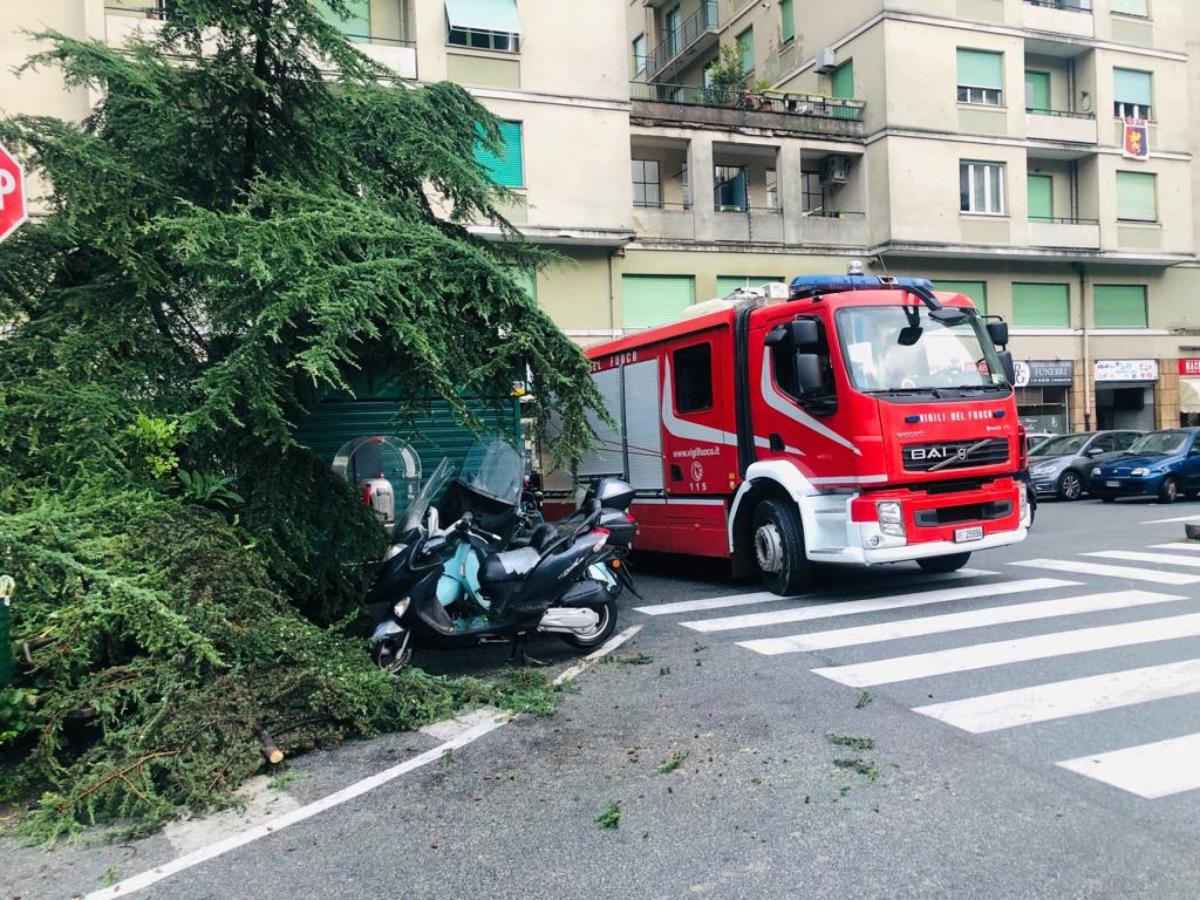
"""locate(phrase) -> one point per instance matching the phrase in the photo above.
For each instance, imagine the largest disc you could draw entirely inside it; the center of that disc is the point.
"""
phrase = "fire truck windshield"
(903, 349)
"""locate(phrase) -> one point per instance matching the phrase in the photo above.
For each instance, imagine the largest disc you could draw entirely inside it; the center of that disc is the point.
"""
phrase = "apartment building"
(980, 143)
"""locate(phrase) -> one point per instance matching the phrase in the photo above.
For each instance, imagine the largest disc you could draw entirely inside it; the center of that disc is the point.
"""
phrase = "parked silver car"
(1060, 466)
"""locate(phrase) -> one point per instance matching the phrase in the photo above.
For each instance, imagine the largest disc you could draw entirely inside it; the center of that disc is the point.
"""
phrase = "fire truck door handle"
(776, 443)
(676, 473)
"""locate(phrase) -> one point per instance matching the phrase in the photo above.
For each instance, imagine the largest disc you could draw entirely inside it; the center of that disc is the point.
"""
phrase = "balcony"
(696, 36)
(667, 221)
(833, 227)
(659, 103)
(1073, 17)
(750, 224)
(1065, 234)
(1060, 125)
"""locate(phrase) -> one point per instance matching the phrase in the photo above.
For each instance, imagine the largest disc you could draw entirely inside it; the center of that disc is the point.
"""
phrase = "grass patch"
(528, 691)
(610, 818)
(863, 767)
(853, 743)
(671, 764)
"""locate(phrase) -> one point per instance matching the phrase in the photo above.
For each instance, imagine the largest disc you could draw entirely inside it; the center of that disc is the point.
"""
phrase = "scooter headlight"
(401, 608)
(891, 518)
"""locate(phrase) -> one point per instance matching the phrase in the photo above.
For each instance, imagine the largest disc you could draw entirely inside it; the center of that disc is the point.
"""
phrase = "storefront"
(1189, 392)
(1125, 393)
(1043, 392)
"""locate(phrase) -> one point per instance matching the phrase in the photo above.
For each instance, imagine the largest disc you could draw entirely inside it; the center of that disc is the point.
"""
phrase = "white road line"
(1193, 547)
(1075, 697)
(606, 648)
(975, 618)
(1191, 518)
(463, 738)
(687, 606)
(1078, 567)
(1148, 770)
(874, 604)
(999, 653)
(1165, 559)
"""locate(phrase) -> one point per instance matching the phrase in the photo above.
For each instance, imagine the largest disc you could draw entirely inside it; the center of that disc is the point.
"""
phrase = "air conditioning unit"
(835, 170)
(826, 60)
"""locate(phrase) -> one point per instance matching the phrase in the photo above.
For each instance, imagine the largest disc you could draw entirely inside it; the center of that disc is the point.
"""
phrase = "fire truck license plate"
(974, 533)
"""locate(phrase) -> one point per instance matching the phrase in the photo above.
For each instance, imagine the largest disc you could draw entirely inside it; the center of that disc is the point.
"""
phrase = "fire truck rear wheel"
(779, 549)
(943, 564)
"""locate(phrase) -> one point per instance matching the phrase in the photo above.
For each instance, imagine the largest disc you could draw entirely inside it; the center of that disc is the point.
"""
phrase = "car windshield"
(1159, 442)
(1063, 445)
(903, 348)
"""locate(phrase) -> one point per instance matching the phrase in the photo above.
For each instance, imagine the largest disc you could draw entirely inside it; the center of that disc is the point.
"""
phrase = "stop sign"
(13, 207)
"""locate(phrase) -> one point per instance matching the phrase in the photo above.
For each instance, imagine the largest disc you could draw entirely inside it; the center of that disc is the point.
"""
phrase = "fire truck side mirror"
(800, 335)
(1006, 363)
(998, 332)
(808, 374)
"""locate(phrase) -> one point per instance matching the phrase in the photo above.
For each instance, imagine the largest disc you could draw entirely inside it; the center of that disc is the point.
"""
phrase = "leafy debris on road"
(640, 659)
(854, 743)
(697, 647)
(863, 767)
(611, 817)
(672, 764)
(865, 699)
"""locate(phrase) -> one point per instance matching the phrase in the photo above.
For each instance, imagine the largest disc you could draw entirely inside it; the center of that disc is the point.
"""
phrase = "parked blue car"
(1162, 464)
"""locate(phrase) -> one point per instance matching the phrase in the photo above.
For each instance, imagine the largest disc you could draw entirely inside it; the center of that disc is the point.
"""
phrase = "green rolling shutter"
(358, 27)
(1119, 306)
(527, 279)
(745, 49)
(843, 80)
(649, 300)
(976, 290)
(1041, 197)
(787, 20)
(1129, 7)
(981, 68)
(1135, 197)
(1041, 305)
(1037, 91)
(507, 169)
(1132, 86)
(727, 284)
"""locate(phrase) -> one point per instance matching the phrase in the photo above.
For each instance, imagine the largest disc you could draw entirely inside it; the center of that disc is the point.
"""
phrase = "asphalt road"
(1019, 730)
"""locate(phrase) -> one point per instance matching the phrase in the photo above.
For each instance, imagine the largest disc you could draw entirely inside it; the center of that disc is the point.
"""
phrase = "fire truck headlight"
(891, 518)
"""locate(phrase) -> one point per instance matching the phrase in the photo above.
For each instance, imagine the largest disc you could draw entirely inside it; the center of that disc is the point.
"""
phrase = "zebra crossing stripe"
(1148, 770)
(1179, 545)
(1079, 567)
(975, 618)
(999, 653)
(1166, 559)
(873, 604)
(1075, 697)
(734, 600)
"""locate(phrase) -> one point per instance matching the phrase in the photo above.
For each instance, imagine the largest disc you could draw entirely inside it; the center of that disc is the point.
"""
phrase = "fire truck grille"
(955, 455)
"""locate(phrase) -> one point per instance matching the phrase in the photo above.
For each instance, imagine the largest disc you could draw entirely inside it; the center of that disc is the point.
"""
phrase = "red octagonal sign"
(13, 206)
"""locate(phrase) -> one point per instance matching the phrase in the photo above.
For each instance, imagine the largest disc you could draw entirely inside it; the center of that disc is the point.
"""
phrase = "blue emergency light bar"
(810, 285)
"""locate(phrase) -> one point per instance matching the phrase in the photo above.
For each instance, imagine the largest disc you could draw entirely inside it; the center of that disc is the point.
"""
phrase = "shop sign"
(1189, 366)
(1126, 370)
(1037, 372)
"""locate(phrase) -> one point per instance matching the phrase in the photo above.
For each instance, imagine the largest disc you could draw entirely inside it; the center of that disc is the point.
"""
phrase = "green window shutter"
(508, 168)
(1037, 91)
(1135, 197)
(527, 279)
(1130, 7)
(745, 49)
(981, 68)
(1041, 305)
(358, 27)
(843, 79)
(1132, 86)
(787, 20)
(727, 284)
(484, 15)
(649, 300)
(1041, 197)
(976, 290)
(1119, 306)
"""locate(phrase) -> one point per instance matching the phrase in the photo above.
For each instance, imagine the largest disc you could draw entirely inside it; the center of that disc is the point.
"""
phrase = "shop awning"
(484, 15)
(1189, 395)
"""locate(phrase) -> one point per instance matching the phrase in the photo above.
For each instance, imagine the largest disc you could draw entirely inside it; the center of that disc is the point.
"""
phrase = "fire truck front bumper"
(870, 556)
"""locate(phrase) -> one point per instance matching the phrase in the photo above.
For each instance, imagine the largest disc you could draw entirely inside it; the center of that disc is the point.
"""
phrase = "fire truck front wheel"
(942, 564)
(779, 549)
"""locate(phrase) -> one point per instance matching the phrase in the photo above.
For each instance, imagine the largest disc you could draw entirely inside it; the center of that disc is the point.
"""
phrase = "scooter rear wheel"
(603, 631)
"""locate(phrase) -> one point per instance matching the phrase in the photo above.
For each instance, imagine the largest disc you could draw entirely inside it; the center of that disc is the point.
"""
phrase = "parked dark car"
(1162, 464)
(1061, 466)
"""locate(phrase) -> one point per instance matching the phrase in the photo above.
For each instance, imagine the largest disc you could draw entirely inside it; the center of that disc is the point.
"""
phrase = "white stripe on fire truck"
(785, 407)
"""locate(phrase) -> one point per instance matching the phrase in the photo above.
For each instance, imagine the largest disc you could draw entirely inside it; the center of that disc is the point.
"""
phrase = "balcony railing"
(748, 210)
(1082, 6)
(701, 22)
(821, 213)
(768, 101)
(1063, 113)
(1063, 220)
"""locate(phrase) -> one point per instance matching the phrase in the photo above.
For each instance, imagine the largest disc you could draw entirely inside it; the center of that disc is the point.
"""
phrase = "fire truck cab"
(852, 419)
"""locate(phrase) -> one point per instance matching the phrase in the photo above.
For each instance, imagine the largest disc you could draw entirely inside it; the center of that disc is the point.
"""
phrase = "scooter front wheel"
(392, 654)
(602, 632)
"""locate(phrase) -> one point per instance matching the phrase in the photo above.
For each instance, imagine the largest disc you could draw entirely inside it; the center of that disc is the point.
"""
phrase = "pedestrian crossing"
(971, 631)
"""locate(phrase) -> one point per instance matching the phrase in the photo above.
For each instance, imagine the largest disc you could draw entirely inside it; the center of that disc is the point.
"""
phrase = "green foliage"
(154, 439)
(610, 817)
(208, 489)
(727, 74)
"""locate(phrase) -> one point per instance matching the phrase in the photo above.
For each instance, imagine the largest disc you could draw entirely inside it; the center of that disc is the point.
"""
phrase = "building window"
(1132, 93)
(976, 290)
(787, 21)
(685, 186)
(772, 189)
(980, 77)
(730, 188)
(650, 300)
(1136, 200)
(1037, 92)
(506, 168)
(646, 189)
(356, 27)
(692, 378)
(981, 187)
(745, 50)
(812, 193)
(484, 24)
(639, 54)
(1039, 190)
(1129, 7)
(673, 25)
(1119, 306)
(1041, 305)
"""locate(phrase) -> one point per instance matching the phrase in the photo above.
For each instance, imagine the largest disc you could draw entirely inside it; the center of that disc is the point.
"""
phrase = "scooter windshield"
(415, 514)
(494, 469)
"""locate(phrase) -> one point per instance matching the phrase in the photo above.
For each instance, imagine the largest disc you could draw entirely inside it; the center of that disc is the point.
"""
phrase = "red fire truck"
(855, 419)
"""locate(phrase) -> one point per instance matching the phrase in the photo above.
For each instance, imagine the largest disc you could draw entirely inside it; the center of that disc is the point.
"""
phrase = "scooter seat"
(512, 565)
(542, 536)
